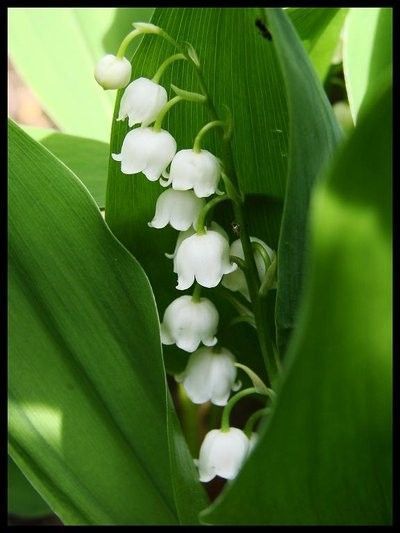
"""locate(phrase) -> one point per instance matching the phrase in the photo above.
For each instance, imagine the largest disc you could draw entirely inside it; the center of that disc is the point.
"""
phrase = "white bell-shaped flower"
(142, 101)
(236, 281)
(210, 376)
(188, 322)
(188, 233)
(146, 150)
(112, 72)
(199, 171)
(204, 258)
(180, 209)
(222, 453)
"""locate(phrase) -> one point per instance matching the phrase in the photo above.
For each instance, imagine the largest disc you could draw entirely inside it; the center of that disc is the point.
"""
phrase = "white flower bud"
(209, 375)
(148, 151)
(112, 72)
(199, 171)
(204, 258)
(236, 281)
(180, 209)
(187, 323)
(222, 453)
(142, 101)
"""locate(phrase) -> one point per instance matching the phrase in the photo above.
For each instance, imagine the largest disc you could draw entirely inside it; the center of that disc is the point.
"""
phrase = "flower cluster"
(203, 255)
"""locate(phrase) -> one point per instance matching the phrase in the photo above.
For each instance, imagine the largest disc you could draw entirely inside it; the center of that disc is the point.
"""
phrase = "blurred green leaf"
(325, 455)
(55, 51)
(313, 137)
(87, 158)
(319, 30)
(88, 402)
(367, 53)
(22, 498)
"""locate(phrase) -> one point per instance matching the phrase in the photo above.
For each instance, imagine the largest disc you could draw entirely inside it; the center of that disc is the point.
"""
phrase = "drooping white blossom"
(236, 281)
(199, 171)
(210, 376)
(112, 72)
(188, 322)
(146, 150)
(142, 101)
(222, 453)
(180, 209)
(204, 258)
(188, 233)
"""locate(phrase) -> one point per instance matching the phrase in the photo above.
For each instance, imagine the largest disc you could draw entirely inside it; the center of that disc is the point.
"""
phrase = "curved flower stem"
(263, 252)
(164, 111)
(204, 130)
(232, 402)
(241, 263)
(248, 428)
(161, 69)
(248, 319)
(126, 41)
(229, 297)
(258, 383)
(202, 218)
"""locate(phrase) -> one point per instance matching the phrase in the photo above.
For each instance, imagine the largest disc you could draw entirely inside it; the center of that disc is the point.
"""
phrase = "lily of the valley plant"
(196, 183)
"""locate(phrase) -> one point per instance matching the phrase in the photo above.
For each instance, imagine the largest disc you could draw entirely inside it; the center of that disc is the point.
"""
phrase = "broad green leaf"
(87, 158)
(313, 137)
(319, 30)
(255, 97)
(88, 402)
(325, 456)
(55, 51)
(22, 498)
(367, 52)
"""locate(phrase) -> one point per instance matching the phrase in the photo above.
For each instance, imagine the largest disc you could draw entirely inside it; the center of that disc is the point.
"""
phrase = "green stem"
(126, 41)
(239, 306)
(263, 252)
(258, 383)
(196, 293)
(248, 428)
(232, 402)
(203, 131)
(161, 69)
(248, 319)
(164, 111)
(241, 263)
(202, 218)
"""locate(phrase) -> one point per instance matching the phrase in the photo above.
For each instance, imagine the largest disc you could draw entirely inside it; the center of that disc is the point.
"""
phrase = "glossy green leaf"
(313, 137)
(22, 498)
(256, 100)
(88, 403)
(55, 51)
(325, 455)
(367, 52)
(87, 158)
(319, 30)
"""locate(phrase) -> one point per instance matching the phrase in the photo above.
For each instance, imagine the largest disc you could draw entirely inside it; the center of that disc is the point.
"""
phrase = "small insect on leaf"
(263, 30)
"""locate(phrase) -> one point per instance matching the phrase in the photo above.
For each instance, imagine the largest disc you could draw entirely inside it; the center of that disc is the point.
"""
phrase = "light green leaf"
(319, 30)
(325, 455)
(313, 137)
(367, 53)
(22, 498)
(87, 393)
(87, 158)
(55, 51)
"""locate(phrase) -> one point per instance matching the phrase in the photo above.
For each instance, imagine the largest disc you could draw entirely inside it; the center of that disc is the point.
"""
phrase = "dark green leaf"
(313, 137)
(22, 498)
(87, 394)
(325, 455)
